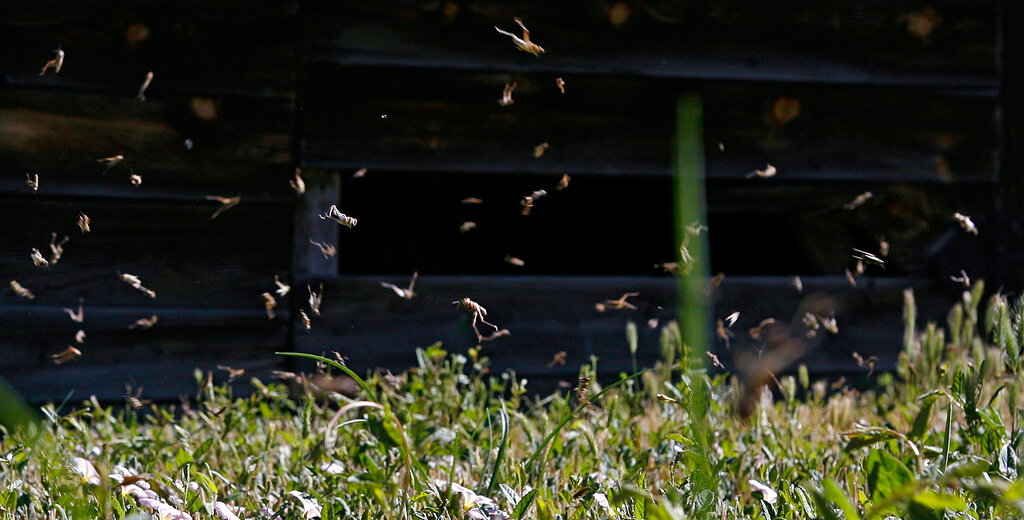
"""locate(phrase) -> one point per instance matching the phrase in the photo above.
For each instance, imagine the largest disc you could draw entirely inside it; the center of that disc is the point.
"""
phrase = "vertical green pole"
(688, 185)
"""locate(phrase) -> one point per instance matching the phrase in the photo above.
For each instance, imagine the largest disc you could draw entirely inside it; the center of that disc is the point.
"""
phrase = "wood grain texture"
(862, 42)
(424, 120)
(176, 250)
(372, 327)
(236, 144)
(193, 47)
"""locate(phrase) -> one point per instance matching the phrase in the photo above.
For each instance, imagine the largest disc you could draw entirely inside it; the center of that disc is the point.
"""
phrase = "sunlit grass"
(449, 440)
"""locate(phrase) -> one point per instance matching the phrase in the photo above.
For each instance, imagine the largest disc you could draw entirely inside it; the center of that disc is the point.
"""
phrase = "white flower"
(223, 511)
(88, 472)
(310, 507)
(767, 494)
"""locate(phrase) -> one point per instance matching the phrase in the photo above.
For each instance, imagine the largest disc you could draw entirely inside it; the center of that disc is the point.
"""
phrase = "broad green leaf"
(868, 436)
(203, 448)
(923, 419)
(940, 501)
(886, 474)
(837, 497)
(182, 457)
(524, 505)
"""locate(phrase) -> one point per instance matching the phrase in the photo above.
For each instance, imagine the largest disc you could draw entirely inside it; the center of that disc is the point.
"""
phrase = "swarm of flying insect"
(524, 44)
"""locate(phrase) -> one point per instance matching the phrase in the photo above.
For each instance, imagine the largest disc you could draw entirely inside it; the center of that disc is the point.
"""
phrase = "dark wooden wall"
(905, 99)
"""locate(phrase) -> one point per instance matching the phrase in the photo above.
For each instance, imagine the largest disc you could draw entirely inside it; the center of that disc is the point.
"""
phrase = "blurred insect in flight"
(145, 85)
(56, 63)
(524, 44)
(506, 94)
(479, 314)
(21, 291)
(144, 323)
(83, 223)
(32, 180)
(406, 293)
(66, 355)
(79, 316)
(966, 223)
(226, 203)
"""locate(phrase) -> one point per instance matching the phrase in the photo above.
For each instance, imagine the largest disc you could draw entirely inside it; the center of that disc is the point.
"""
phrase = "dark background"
(916, 102)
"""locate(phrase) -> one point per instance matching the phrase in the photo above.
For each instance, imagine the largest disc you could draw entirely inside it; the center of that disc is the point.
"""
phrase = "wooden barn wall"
(893, 97)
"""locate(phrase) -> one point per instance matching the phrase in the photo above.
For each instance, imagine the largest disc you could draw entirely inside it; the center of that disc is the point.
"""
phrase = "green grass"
(940, 438)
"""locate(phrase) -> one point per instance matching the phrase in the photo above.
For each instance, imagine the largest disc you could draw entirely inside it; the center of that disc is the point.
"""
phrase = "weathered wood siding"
(908, 101)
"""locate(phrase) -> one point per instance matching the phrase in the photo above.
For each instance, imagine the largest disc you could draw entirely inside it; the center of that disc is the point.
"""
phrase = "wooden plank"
(35, 331)
(425, 120)
(372, 327)
(308, 259)
(193, 47)
(198, 143)
(164, 381)
(863, 42)
(175, 248)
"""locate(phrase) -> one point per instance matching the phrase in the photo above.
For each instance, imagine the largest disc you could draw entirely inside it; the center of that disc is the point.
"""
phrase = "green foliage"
(449, 440)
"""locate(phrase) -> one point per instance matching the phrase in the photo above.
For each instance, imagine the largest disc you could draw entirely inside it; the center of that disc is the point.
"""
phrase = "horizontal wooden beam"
(372, 327)
(424, 120)
(863, 43)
